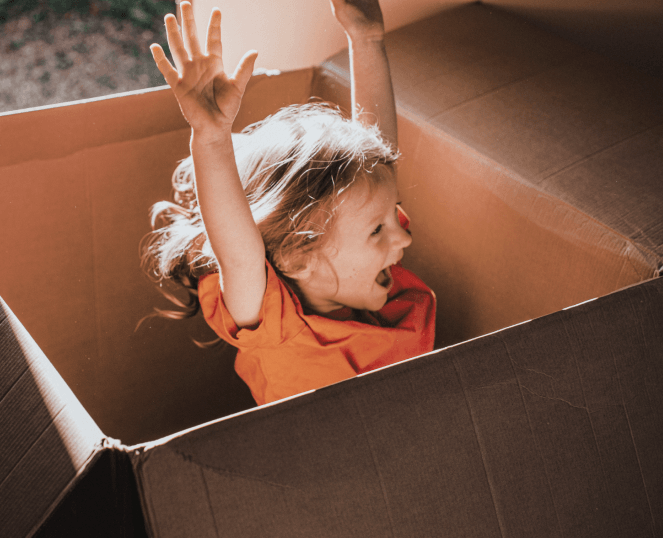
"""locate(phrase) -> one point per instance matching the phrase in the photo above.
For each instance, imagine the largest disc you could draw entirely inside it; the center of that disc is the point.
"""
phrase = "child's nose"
(402, 238)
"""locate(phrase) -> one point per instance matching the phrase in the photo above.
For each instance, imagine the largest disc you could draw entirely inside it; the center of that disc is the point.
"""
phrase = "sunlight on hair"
(294, 166)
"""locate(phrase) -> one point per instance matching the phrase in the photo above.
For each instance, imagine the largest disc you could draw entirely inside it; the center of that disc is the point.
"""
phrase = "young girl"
(290, 240)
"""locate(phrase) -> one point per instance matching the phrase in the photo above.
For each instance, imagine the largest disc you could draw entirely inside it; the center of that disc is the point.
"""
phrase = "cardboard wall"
(550, 428)
(78, 182)
(300, 33)
(47, 437)
(631, 32)
(104, 503)
(530, 166)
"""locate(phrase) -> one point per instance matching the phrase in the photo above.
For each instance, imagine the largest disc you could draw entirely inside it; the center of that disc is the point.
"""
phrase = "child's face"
(352, 268)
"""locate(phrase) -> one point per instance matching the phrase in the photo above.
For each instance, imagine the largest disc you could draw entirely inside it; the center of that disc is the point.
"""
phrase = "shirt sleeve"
(278, 304)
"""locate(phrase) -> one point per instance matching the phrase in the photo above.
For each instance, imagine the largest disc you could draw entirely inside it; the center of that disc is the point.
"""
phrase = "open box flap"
(102, 503)
(59, 474)
(48, 439)
(554, 426)
(574, 124)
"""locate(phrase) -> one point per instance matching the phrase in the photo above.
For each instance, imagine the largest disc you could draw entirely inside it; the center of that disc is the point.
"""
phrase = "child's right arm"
(210, 100)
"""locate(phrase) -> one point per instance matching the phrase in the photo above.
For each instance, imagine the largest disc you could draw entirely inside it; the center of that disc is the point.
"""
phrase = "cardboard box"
(532, 171)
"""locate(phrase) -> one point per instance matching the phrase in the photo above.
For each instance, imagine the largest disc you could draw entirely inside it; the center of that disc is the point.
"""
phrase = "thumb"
(244, 69)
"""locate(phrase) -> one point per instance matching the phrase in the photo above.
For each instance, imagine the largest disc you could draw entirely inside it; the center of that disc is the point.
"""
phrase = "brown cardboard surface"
(623, 174)
(550, 428)
(74, 268)
(51, 132)
(531, 171)
(103, 503)
(47, 436)
(631, 32)
(89, 248)
(497, 134)
(496, 250)
(538, 106)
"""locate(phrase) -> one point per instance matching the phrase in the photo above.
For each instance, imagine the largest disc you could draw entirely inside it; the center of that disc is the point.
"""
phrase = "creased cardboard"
(47, 437)
(531, 170)
(543, 429)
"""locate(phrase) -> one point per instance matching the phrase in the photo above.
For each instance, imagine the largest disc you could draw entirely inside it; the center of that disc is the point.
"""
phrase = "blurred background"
(53, 51)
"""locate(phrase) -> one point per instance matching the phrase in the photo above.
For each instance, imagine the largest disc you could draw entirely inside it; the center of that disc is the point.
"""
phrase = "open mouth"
(384, 278)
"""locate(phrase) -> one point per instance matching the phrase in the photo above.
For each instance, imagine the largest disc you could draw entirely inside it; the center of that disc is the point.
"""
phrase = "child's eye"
(377, 230)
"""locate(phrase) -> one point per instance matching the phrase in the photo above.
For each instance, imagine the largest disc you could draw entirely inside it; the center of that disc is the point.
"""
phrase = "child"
(290, 241)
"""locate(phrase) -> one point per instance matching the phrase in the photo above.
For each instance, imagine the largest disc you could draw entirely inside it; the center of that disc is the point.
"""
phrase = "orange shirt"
(291, 352)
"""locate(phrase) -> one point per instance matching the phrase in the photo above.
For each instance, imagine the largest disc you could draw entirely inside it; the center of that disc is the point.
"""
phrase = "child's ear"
(299, 268)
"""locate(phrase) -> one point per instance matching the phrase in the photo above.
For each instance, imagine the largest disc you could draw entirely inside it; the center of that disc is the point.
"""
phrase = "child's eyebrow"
(379, 216)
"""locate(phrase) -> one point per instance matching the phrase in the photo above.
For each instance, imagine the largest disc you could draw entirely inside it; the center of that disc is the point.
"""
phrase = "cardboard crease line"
(589, 413)
(16, 381)
(376, 468)
(496, 89)
(477, 437)
(590, 156)
(36, 440)
(534, 438)
(224, 472)
(630, 429)
(209, 501)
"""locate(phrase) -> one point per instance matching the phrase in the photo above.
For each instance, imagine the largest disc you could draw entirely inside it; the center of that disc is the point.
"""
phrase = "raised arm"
(372, 91)
(210, 100)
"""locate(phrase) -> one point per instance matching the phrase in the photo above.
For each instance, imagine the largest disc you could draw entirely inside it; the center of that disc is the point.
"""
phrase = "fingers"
(214, 46)
(245, 69)
(167, 70)
(189, 30)
(180, 55)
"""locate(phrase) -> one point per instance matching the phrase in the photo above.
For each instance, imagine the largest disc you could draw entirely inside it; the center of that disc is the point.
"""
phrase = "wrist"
(366, 39)
(215, 136)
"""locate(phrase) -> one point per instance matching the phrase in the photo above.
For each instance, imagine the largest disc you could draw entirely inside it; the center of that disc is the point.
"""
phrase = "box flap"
(552, 427)
(47, 436)
(103, 503)
(572, 123)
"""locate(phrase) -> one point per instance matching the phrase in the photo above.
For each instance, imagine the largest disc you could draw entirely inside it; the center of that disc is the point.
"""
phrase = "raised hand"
(207, 96)
(359, 18)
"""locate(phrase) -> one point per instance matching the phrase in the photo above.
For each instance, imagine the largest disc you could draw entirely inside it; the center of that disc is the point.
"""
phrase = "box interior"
(531, 171)
(495, 243)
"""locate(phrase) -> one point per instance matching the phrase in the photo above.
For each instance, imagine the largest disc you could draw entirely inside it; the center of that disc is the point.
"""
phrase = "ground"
(47, 58)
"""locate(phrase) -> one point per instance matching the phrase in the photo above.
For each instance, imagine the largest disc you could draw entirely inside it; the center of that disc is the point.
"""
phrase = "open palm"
(207, 96)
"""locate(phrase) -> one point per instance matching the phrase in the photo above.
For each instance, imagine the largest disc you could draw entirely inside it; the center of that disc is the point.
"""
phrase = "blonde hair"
(293, 165)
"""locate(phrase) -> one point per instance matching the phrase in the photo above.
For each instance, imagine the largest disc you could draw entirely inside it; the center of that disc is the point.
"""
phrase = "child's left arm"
(372, 90)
